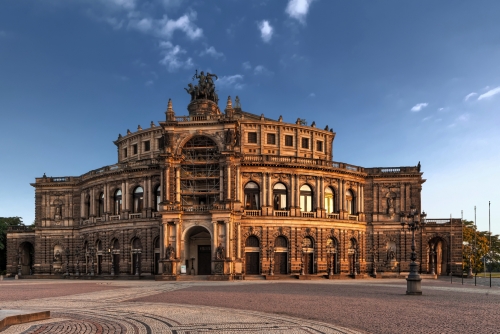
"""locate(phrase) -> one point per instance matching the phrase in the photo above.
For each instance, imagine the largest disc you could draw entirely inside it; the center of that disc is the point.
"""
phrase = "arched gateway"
(198, 251)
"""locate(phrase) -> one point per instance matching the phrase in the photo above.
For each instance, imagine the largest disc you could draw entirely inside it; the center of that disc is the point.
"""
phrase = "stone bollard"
(17, 277)
(1, 277)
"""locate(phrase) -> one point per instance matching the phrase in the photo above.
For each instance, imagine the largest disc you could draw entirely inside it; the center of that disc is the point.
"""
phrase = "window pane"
(252, 137)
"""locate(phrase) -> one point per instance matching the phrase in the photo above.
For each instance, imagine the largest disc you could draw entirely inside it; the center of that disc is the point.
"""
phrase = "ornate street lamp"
(111, 254)
(92, 254)
(331, 251)
(270, 256)
(433, 264)
(414, 223)
(77, 255)
(67, 260)
(136, 252)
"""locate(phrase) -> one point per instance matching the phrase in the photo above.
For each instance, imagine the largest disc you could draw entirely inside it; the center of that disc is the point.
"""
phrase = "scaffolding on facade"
(200, 172)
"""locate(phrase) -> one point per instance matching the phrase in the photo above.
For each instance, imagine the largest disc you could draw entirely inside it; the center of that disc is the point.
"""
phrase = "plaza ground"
(319, 306)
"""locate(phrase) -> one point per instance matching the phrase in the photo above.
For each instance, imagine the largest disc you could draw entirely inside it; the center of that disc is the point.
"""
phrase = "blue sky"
(398, 81)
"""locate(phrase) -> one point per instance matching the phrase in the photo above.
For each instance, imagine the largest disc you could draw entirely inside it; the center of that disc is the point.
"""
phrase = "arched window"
(99, 245)
(305, 198)
(100, 206)
(138, 199)
(136, 243)
(252, 196)
(280, 197)
(157, 198)
(252, 241)
(350, 201)
(280, 242)
(118, 202)
(329, 200)
(87, 206)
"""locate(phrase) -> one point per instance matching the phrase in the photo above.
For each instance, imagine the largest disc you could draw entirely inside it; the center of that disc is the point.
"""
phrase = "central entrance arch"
(198, 251)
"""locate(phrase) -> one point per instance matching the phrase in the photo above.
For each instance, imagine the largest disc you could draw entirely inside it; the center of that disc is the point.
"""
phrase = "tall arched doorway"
(135, 253)
(252, 256)
(115, 256)
(26, 253)
(156, 255)
(99, 255)
(332, 255)
(438, 256)
(198, 251)
(308, 255)
(281, 255)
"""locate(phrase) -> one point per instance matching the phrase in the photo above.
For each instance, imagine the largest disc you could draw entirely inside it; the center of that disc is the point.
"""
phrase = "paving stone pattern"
(109, 311)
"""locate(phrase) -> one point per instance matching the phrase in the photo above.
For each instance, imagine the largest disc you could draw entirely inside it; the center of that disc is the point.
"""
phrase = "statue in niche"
(390, 205)
(219, 252)
(230, 137)
(58, 256)
(57, 215)
(170, 252)
(391, 255)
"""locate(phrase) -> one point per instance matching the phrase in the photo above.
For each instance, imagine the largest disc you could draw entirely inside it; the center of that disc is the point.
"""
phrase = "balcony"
(281, 213)
(353, 217)
(252, 213)
(333, 216)
(308, 214)
(283, 160)
(114, 217)
(134, 215)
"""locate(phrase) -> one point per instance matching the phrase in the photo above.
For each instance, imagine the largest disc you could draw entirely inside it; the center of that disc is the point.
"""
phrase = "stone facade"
(231, 194)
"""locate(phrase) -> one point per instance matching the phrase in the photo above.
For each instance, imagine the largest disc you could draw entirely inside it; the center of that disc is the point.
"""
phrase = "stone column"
(165, 195)
(178, 237)
(178, 185)
(362, 187)
(407, 197)
(269, 190)
(215, 232)
(238, 244)
(228, 173)
(123, 197)
(238, 185)
(92, 203)
(263, 190)
(358, 199)
(228, 232)
(221, 184)
(292, 191)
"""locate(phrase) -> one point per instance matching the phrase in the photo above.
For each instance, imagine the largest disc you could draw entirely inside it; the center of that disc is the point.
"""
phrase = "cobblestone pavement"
(109, 311)
(370, 306)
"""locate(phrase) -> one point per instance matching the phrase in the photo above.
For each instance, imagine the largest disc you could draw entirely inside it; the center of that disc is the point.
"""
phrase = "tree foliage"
(5, 223)
(476, 249)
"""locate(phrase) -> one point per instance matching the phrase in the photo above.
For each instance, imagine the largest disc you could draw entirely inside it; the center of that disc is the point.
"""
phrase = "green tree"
(5, 223)
(476, 245)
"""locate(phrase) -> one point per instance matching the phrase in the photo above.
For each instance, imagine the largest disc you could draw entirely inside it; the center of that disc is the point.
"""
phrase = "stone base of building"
(219, 277)
(165, 277)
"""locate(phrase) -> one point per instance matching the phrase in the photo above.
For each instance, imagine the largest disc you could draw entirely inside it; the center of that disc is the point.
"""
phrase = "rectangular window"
(159, 142)
(124, 152)
(288, 140)
(252, 137)
(271, 139)
(305, 142)
(134, 148)
(319, 146)
(147, 146)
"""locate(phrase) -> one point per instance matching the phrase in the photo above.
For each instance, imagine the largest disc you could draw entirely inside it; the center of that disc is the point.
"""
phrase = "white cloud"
(246, 65)
(266, 31)
(298, 9)
(212, 52)
(172, 55)
(426, 118)
(125, 4)
(149, 83)
(419, 106)
(441, 109)
(490, 93)
(184, 23)
(144, 25)
(312, 95)
(463, 118)
(469, 96)
(114, 22)
(231, 81)
(261, 70)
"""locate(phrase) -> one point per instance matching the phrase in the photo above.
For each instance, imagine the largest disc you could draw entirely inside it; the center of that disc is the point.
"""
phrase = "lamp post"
(111, 254)
(77, 255)
(92, 253)
(270, 256)
(331, 251)
(414, 223)
(67, 260)
(136, 252)
(433, 265)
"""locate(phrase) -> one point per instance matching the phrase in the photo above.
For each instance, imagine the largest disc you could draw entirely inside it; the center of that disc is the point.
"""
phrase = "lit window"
(305, 198)
(329, 200)
(280, 196)
(138, 199)
(118, 202)
(252, 194)
(350, 202)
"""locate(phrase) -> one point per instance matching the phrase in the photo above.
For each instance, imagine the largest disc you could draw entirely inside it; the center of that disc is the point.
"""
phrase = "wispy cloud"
(298, 9)
(261, 70)
(172, 57)
(312, 95)
(3, 34)
(246, 65)
(469, 96)
(122, 4)
(231, 81)
(419, 106)
(266, 31)
(426, 118)
(211, 52)
(149, 83)
(463, 118)
(490, 93)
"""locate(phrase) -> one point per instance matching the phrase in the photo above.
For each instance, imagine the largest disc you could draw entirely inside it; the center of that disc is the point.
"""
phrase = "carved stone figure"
(170, 252)
(58, 256)
(219, 252)
(391, 255)
(229, 137)
(390, 206)
(205, 88)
